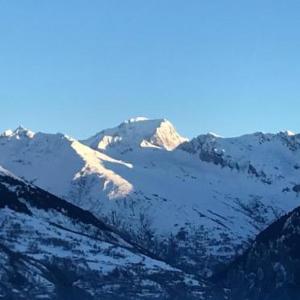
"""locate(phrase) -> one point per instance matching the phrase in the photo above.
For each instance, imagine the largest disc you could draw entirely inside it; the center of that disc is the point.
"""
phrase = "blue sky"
(229, 67)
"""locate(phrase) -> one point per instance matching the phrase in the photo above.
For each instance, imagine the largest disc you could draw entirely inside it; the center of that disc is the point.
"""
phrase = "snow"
(289, 133)
(137, 132)
(136, 119)
(214, 135)
(4, 172)
(51, 235)
(18, 133)
(143, 173)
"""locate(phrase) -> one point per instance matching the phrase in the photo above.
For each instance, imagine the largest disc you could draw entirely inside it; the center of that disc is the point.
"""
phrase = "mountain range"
(149, 214)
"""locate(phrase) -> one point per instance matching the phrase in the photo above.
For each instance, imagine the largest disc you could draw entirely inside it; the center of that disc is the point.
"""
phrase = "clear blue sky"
(229, 67)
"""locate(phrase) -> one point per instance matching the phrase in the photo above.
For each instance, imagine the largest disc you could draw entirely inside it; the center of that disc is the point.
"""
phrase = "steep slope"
(52, 249)
(195, 206)
(54, 161)
(271, 266)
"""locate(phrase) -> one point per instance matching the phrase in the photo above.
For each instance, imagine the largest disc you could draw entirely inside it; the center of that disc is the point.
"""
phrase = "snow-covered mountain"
(51, 249)
(136, 132)
(268, 157)
(195, 203)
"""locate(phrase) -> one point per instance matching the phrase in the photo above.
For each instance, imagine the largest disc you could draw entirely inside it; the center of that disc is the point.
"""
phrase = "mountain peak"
(141, 132)
(18, 133)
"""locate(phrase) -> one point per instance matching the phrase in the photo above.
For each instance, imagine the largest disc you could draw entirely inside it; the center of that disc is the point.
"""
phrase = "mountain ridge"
(192, 196)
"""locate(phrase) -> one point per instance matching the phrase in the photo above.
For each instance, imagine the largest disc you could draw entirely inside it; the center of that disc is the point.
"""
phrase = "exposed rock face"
(256, 153)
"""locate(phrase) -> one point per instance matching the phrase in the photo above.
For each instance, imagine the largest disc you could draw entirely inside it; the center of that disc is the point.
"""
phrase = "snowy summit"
(137, 132)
